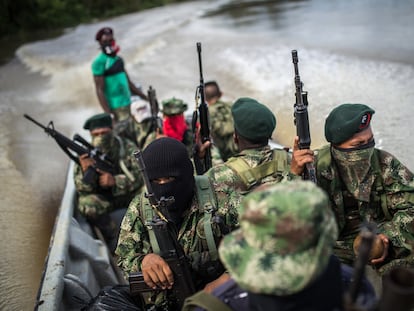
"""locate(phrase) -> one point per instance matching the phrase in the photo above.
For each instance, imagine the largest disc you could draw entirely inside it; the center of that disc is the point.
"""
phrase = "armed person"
(221, 121)
(174, 123)
(282, 258)
(145, 125)
(256, 163)
(200, 217)
(107, 191)
(365, 184)
(113, 86)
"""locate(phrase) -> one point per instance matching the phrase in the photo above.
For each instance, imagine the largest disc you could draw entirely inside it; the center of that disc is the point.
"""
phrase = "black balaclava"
(167, 157)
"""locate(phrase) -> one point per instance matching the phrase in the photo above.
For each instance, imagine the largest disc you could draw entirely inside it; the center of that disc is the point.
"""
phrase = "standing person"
(256, 163)
(170, 172)
(107, 191)
(113, 86)
(281, 258)
(221, 121)
(365, 184)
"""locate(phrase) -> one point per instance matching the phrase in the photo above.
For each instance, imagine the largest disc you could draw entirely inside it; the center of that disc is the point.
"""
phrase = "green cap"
(252, 119)
(345, 121)
(173, 106)
(286, 236)
(98, 121)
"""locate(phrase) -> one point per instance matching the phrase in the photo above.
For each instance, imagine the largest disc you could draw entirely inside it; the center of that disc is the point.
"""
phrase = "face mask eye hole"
(163, 180)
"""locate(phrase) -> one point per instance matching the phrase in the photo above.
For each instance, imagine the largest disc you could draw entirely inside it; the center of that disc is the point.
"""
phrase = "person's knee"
(92, 206)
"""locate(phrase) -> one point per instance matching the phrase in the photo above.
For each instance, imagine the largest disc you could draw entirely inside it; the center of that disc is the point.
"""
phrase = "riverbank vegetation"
(20, 16)
(22, 21)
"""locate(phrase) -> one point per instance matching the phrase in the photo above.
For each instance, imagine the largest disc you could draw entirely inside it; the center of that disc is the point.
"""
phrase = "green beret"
(345, 121)
(173, 106)
(252, 119)
(98, 121)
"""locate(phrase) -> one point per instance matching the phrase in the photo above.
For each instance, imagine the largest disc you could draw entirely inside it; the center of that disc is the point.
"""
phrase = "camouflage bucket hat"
(286, 237)
(173, 106)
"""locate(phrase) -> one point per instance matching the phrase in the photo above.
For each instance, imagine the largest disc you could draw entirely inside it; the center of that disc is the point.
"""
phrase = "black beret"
(252, 119)
(98, 121)
(345, 121)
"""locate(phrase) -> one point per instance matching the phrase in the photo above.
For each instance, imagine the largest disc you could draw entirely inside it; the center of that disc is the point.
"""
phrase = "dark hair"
(103, 31)
(213, 93)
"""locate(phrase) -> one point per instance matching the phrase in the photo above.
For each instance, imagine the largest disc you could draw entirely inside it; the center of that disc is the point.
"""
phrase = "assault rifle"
(156, 120)
(170, 250)
(301, 119)
(76, 147)
(201, 111)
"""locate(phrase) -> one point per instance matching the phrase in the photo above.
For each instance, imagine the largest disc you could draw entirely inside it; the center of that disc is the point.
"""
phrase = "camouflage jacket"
(227, 179)
(390, 206)
(142, 134)
(134, 242)
(123, 184)
(222, 129)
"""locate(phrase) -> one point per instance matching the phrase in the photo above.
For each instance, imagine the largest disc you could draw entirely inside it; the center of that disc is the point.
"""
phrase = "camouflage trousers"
(94, 205)
(121, 113)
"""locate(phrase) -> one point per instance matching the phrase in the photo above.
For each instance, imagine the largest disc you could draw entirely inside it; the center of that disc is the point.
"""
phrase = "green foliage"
(18, 16)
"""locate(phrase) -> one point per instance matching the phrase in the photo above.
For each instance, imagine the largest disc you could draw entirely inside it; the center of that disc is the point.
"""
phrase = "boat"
(78, 264)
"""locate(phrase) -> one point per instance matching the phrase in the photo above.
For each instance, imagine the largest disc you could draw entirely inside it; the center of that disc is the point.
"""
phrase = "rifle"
(79, 146)
(169, 248)
(301, 119)
(368, 234)
(156, 120)
(397, 286)
(201, 110)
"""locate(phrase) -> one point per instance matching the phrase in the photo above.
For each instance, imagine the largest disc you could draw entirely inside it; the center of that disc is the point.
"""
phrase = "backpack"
(252, 176)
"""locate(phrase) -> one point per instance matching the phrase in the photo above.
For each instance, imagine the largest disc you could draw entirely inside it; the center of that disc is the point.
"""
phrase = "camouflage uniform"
(141, 133)
(133, 243)
(390, 205)
(199, 229)
(222, 129)
(94, 201)
(254, 124)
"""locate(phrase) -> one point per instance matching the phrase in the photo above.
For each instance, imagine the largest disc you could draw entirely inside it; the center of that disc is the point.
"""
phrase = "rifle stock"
(78, 146)
(302, 118)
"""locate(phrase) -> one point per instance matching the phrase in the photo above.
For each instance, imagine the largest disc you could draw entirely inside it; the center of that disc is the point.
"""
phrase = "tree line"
(25, 16)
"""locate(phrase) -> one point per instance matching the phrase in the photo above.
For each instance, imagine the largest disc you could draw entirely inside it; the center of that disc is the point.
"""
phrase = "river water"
(349, 51)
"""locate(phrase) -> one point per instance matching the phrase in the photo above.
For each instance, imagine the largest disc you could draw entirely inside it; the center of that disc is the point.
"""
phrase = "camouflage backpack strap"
(206, 301)
(379, 185)
(252, 175)
(122, 154)
(147, 214)
(207, 201)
